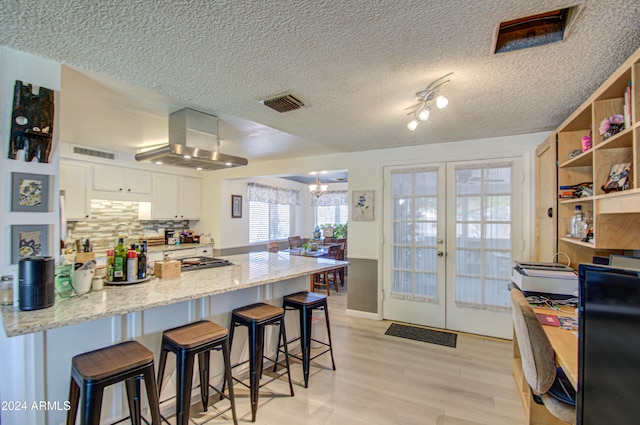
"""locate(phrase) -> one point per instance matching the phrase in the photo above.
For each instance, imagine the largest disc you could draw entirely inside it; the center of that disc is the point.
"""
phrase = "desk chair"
(539, 363)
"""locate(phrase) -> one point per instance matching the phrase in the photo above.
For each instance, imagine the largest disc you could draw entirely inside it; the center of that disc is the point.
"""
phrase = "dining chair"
(322, 279)
(339, 272)
(549, 386)
(272, 247)
(295, 242)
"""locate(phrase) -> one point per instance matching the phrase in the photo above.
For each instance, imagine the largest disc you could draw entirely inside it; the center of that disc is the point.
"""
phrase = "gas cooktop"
(197, 263)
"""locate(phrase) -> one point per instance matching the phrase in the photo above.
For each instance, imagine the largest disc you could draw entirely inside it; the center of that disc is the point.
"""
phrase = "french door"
(451, 231)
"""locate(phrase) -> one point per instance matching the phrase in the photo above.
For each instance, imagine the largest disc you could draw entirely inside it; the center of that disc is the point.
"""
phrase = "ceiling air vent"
(283, 103)
(80, 150)
(535, 30)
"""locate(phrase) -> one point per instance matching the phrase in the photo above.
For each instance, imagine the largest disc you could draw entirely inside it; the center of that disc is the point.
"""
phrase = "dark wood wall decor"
(31, 123)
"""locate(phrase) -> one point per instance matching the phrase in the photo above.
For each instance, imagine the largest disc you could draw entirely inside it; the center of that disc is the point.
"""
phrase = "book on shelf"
(618, 178)
(627, 106)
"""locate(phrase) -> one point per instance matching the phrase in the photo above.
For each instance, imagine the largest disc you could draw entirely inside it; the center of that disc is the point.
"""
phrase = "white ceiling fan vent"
(283, 103)
(80, 150)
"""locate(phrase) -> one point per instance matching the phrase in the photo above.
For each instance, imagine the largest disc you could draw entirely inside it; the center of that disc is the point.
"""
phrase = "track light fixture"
(421, 110)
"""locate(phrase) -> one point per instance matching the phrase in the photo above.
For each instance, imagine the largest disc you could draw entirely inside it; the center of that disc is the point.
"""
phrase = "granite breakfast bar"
(37, 346)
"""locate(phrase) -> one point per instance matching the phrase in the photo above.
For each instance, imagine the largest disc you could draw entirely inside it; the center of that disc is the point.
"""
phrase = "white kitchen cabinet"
(125, 181)
(173, 198)
(164, 197)
(74, 181)
(204, 251)
(189, 198)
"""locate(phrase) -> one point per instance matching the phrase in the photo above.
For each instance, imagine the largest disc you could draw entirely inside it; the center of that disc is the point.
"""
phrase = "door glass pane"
(414, 234)
(483, 235)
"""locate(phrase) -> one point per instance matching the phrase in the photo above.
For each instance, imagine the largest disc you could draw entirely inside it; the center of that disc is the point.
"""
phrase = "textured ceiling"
(357, 65)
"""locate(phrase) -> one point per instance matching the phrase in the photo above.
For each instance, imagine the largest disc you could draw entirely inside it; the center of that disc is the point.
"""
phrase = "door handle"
(440, 254)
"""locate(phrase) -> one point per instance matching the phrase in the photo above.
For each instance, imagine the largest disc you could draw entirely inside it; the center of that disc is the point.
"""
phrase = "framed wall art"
(29, 192)
(362, 205)
(236, 206)
(29, 240)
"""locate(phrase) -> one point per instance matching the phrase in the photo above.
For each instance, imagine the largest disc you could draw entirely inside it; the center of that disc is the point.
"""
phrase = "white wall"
(19, 381)
(365, 173)
(234, 232)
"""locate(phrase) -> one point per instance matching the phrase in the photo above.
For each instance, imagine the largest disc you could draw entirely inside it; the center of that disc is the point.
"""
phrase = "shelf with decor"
(600, 143)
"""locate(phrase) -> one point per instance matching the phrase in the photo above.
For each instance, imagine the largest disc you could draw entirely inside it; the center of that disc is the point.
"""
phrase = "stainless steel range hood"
(193, 143)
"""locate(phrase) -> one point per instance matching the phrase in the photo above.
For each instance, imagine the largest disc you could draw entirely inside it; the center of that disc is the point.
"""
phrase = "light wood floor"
(388, 380)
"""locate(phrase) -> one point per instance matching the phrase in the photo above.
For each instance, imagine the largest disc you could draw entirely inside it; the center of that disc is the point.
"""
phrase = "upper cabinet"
(128, 183)
(611, 158)
(75, 181)
(173, 198)
(162, 196)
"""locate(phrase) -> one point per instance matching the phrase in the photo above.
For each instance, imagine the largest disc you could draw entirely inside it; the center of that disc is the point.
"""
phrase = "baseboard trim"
(363, 314)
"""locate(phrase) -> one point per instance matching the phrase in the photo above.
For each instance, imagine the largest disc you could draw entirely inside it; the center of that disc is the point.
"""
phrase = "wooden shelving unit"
(616, 215)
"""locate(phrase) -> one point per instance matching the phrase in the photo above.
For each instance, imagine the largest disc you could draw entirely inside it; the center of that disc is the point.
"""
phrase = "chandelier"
(318, 188)
(422, 109)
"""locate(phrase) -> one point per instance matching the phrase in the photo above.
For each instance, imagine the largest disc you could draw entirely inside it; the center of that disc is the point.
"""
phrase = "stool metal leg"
(256, 338)
(74, 399)
(152, 394)
(203, 366)
(228, 379)
(305, 341)
(161, 364)
(184, 373)
(133, 398)
(326, 318)
(91, 397)
(283, 336)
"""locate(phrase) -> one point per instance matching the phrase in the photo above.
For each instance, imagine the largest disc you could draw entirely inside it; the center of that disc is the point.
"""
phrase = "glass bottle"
(6, 290)
(120, 262)
(142, 261)
(576, 221)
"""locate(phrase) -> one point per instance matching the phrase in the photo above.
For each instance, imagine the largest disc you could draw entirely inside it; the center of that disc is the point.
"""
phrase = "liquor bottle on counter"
(142, 261)
(132, 265)
(120, 262)
(110, 263)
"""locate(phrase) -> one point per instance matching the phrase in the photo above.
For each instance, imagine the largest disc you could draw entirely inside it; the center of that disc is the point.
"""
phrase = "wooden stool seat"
(306, 302)
(256, 317)
(187, 341)
(91, 372)
(258, 312)
(196, 334)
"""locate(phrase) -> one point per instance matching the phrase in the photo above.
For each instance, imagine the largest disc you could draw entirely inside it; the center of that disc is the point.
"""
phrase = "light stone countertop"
(249, 270)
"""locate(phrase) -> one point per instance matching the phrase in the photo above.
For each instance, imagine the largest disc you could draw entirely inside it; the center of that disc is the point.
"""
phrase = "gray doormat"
(447, 339)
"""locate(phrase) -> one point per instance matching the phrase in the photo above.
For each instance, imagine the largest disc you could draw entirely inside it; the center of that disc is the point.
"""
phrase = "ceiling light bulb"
(441, 102)
(412, 125)
(423, 115)
(187, 157)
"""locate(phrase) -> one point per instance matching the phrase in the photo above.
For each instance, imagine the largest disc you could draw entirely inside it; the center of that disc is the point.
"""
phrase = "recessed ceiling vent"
(535, 30)
(283, 103)
(81, 150)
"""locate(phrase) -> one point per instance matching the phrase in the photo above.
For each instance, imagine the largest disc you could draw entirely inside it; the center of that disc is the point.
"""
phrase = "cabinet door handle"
(120, 189)
(550, 212)
(128, 190)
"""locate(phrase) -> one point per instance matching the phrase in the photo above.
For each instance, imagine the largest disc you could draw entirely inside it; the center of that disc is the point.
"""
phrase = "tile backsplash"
(109, 219)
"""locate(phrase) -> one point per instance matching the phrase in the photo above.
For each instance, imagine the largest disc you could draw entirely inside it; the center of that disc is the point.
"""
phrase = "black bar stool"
(187, 341)
(255, 317)
(91, 372)
(306, 302)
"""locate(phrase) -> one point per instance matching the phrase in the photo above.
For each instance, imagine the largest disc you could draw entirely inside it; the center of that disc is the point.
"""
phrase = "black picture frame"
(236, 206)
(30, 192)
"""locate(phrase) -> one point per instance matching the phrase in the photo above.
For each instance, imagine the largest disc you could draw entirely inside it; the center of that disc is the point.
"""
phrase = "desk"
(565, 345)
